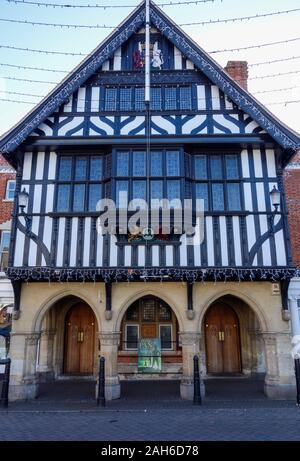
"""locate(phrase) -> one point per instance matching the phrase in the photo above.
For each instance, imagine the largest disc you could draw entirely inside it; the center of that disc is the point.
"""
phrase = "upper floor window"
(162, 98)
(155, 178)
(80, 183)
(4, 249)
(216, 181)
(10, 189)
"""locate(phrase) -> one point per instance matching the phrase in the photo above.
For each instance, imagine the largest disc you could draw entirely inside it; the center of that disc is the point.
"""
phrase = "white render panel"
(99, 253)
(271, 164)
(141, 255)
(47, 236)
(201, 97)
(177, 59)
(215, 96)
(113, 251)
(105, 65)
(27, 166)
(33, 245)
(228, 104)
(237, 240)
(81, 99)
(257, 163)
(68, 106)
(87, 239)
(266, 245)
(248, 196)
(251, 232)
(50, 199)
(102, 125)
(132, 125)
(52, 165)
(221, 120)
(73, 249)
(210, 241)
(280, 248)
(155, 255)
(70, 125)
(19, 248)
(189, 64)
(260, 191)
(183, 251)
(127, 255)
(60, 242)
(169, 255)
(164, 124)
(40, 165)
(118, 59)
(245, 164)
(194, 123)
(37, 198)
(95, 103)
(223, 235)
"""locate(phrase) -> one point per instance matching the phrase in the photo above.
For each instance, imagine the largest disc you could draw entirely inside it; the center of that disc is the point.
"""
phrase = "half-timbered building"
(81, 292)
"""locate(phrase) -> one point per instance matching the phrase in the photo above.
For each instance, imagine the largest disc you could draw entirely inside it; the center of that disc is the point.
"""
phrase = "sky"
(210, 37)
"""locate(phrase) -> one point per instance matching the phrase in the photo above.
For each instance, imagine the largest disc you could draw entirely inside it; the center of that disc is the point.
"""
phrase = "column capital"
(294, 297)
(109, 338)
(32, 339)
(189, 338)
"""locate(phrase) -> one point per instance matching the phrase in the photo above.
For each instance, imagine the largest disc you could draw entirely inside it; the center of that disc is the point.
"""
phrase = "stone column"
(190, 342)
(24, 379)
(109, 343)
(295, 325)
(279, 382)
(45, 367)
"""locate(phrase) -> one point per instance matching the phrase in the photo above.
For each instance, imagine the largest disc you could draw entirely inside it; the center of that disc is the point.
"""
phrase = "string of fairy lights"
(64, 26)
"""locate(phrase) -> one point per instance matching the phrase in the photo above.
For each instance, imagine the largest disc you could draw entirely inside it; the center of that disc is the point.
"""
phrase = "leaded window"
(170, 98)
(159, 176)
(80, 183)
(163, 98)
(217, 183)
(125, 99)
(111, 95)
(149, 315)
(185, 98)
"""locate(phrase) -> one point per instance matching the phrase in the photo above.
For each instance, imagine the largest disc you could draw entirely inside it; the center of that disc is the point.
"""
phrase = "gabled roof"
(282, 134)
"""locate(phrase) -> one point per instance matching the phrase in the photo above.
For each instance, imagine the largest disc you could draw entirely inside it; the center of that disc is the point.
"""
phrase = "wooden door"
(222, 340)
(80, 340)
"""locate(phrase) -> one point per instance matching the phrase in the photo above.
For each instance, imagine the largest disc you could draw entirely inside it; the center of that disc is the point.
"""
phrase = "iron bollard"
(101, 383)
(197, 392)
(5, 385)
(297, 373)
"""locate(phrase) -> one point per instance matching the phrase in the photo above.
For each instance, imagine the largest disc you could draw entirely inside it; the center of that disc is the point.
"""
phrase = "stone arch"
(52, 300)
(141, 294)
(256, 308)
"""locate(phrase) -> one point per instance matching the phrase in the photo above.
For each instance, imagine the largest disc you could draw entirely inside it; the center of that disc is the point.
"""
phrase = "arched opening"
(68, 350)
(233, 349)
(79, 340)
(222, 340)
(150, 348)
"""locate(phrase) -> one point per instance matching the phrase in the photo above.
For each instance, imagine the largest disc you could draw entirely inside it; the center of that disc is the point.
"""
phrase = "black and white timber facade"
(205, 137)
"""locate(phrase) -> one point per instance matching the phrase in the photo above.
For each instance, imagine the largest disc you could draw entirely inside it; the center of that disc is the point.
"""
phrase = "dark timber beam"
(108, 309)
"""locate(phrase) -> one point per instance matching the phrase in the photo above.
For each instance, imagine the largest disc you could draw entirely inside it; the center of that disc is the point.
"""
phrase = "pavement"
(233, 410)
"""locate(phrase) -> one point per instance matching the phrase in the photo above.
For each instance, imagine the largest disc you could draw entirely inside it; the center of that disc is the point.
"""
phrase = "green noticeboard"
(149, 355)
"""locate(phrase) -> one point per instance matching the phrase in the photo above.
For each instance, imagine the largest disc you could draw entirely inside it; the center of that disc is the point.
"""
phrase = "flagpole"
(147, 107)
(147, 57)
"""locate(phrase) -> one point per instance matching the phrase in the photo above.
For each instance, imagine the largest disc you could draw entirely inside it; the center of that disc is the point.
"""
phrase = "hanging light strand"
(104, 26)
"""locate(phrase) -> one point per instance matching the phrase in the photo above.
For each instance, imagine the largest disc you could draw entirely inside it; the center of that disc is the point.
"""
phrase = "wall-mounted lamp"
(275, 201)
(23, 203)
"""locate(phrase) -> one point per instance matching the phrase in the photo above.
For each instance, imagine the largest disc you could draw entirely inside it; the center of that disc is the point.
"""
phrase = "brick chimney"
(292, 193)
(238, 70)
